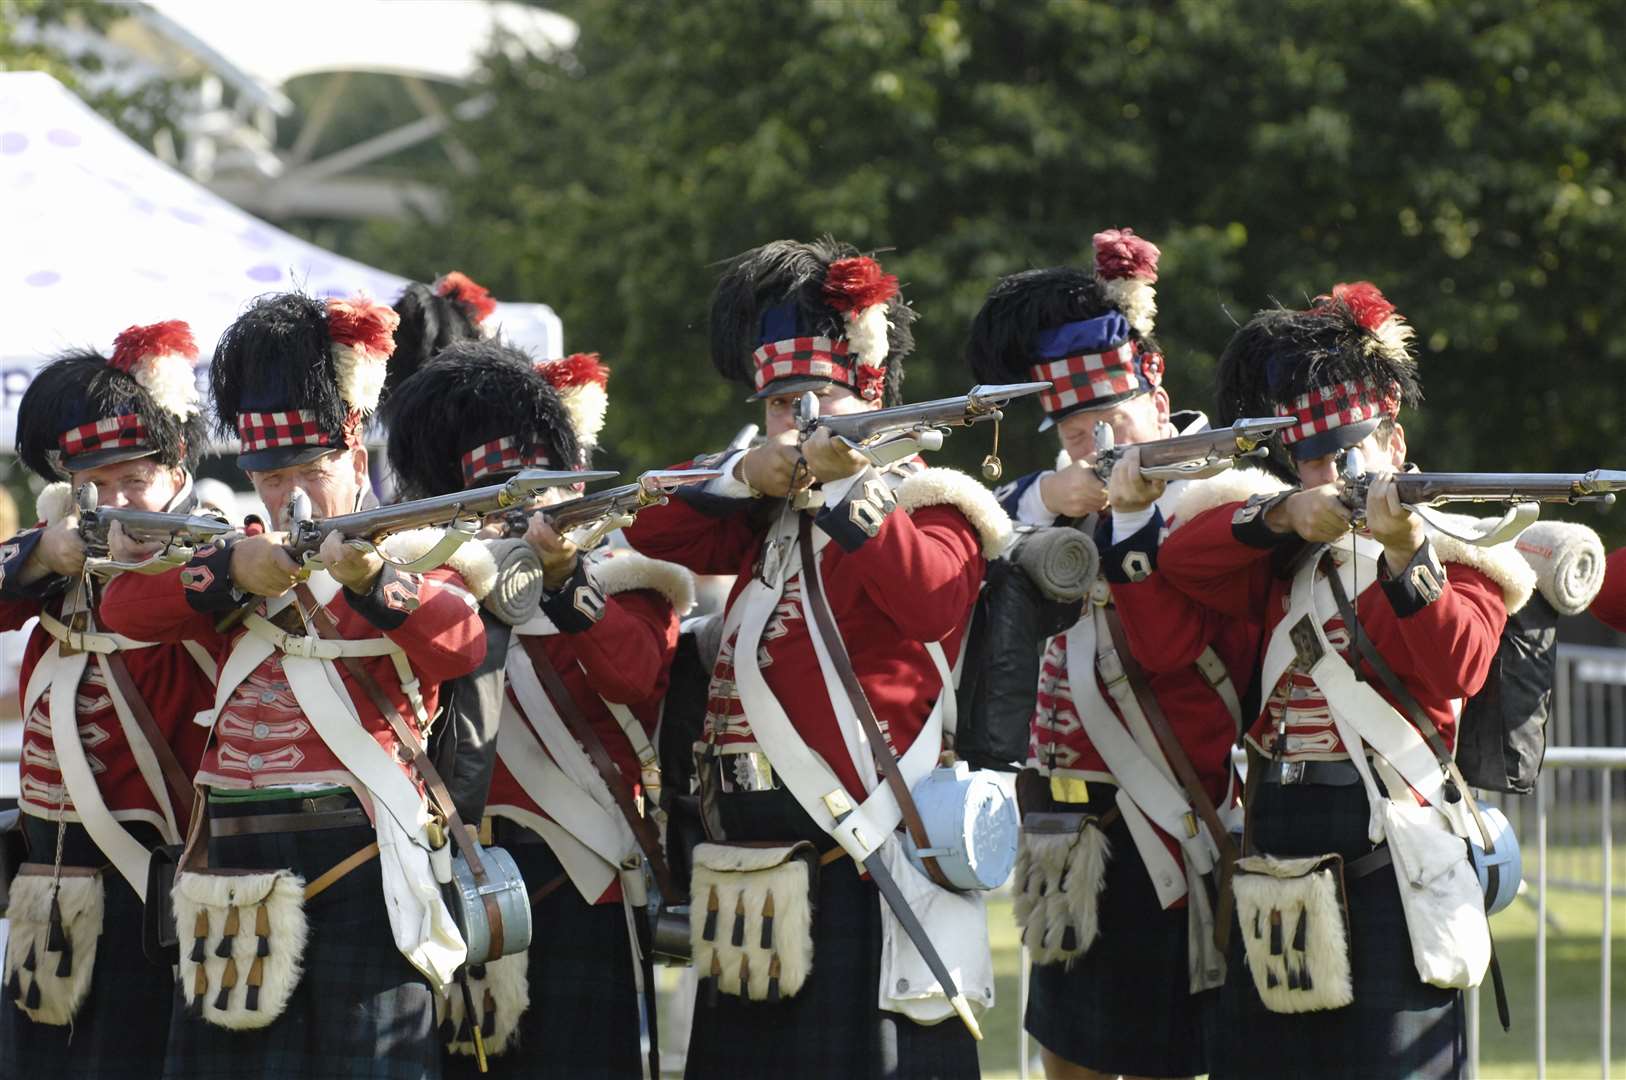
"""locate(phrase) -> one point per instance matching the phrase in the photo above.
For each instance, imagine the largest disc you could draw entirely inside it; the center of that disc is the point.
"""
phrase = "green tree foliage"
(1467, 155)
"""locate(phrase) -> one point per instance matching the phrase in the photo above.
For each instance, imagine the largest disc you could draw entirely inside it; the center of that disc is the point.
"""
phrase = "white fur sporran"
(500, 991)
(751, 918)
(47, 970)
(1295, 931)
(1061, 864)
(242, 938)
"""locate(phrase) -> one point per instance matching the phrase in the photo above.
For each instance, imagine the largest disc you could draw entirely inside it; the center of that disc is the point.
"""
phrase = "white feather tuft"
(866, 334)
(1392, 340)
(172, 382)
(586, 404)
(1136, 298)
(361, 375)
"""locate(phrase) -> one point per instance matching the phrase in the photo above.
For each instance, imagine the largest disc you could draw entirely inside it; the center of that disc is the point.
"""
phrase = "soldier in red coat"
(312, 925)
(1120, 860)
(1356, 720)
(1609, 606)
(589, 668)
(109, 743)
(804, 971)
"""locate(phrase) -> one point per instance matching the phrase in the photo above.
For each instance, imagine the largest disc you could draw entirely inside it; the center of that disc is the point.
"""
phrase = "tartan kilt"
(122, 1027)
(582, 1021)
(360, 1009)
(834, 1026)
(1396, 1026)
(1124, 1006)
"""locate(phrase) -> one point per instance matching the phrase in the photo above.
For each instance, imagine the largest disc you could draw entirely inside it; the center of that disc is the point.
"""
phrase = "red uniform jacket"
(914, 581)
(1167, 631)
(262, 737)
(1440, 643)
(623, 656)
(1610, 603)
(168, 679)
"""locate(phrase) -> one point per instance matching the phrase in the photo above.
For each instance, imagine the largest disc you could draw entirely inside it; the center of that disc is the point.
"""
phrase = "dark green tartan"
(122, 1027)
(360, 1010)
(1124, 1006)
(1396, 1026)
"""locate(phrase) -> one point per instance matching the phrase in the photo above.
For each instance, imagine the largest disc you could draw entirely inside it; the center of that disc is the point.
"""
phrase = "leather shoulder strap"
(175, 778)
(643, 829)
(885, 760)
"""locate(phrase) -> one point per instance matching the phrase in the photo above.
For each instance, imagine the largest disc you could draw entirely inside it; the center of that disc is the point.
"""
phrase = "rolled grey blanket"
(1568, 560)
(516, 595)
(1062, 562)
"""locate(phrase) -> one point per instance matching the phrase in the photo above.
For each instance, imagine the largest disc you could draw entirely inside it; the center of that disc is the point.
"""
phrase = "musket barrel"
(1426, 488)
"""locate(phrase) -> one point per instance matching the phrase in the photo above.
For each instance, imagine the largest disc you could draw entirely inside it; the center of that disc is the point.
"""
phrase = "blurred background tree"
(1466, 156)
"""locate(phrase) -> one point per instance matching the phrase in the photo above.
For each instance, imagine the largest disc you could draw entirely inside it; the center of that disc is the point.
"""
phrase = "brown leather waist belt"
(255, 824)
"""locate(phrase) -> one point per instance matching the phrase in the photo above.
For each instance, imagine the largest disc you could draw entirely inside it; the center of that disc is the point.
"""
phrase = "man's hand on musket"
(829, 459)
(1398, 529)
(60, 551)
(261, 565)
(559, 556)
(1317, 514)
(352, 564)
(125, 548)
(771, 469)
(1073, 492)
(1128, 490)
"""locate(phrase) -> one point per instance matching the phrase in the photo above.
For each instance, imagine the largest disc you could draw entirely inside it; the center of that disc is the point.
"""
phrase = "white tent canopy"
(96, 235)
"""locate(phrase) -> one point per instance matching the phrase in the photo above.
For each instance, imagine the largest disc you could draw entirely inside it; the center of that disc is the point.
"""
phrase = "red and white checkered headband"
(293, 427)
(502, 455)
(819, 357)
(1090, 377)
(1328, 407)
(109, 433)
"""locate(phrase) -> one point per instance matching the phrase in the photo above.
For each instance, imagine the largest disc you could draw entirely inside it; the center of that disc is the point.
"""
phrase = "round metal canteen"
(972, 825)
(1509, 866)
(504, 883)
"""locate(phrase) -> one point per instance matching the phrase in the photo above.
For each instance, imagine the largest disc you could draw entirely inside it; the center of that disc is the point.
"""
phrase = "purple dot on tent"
(42, 278)
(13, 142)
(331, 292)
(62, 137)
(152, 273)
(264, 272)
(181, 213)
(146, 206)
(256, 238)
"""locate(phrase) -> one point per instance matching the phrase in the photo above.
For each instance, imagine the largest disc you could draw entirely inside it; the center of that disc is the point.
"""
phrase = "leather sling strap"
(175, 778)
(333, 873)
(1436, 742)
(885, 760)
(324, 625)
(1176, 755)
(643, 829)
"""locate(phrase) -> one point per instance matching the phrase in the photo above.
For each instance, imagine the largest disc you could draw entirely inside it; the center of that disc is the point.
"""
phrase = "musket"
(460, 513)
(180, 534)
(888, 435)
(602, 512)
(1191, 457)
(1523, 491)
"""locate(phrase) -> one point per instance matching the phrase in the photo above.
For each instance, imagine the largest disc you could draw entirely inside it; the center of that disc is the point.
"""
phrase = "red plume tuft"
(577, 369)
(857, 283)
(463, 289)
(1119, 254)
(362, 324)
(158, 339)
(1369, 306)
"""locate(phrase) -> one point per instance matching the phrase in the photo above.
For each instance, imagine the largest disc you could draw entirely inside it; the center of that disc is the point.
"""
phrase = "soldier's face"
(333, 482)
(142, 484)
(1382, 451)
(779, 412)
(1142, 418)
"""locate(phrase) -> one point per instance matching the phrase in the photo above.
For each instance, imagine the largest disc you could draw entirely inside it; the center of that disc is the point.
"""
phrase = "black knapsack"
(1502, 734)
